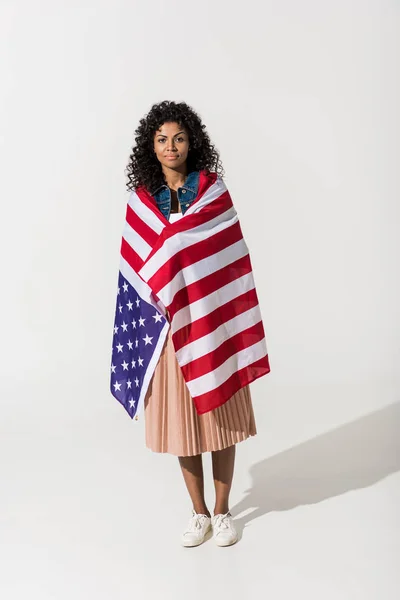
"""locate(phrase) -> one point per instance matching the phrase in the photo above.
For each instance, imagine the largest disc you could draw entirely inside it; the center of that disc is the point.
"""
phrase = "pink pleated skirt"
(172, 424)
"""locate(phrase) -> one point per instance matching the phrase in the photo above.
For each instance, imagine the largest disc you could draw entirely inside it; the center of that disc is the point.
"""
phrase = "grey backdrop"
(301, 99)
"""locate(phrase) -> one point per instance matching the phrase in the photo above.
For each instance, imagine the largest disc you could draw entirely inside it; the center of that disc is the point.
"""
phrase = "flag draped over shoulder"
(195, 276)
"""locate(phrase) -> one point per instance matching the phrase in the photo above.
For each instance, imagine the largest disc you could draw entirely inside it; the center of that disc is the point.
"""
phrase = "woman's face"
(171, 145)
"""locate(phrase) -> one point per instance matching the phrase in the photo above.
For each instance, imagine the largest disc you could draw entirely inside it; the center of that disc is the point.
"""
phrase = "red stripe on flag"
(141, 228)
(132, 258)
(192, 254)
(210, 400)
(214, 359)
(210, 322)
(151, 203)
(187, 223)
(210, 283)
(207, 213)
(206, 180)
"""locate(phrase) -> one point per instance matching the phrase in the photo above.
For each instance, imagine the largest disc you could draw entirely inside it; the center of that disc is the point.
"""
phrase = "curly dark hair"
(144, 169)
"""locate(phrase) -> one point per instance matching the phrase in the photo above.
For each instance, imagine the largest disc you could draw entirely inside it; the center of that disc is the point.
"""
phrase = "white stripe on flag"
(143, 289)
(212, 341)
(145, 214)
(136, 242)
(184, 239)
(213, 192)
(151, 366)
(205, 266)
(212, 380)
(206, 304)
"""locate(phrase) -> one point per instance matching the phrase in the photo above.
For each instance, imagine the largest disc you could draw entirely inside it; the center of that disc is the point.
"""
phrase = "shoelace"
(195, 523)
(222, 521)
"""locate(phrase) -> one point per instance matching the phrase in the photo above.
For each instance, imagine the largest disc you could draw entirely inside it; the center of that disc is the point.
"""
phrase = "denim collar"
(191, 183)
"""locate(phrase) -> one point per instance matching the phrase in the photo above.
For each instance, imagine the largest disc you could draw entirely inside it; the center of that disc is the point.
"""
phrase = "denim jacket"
(186, 194)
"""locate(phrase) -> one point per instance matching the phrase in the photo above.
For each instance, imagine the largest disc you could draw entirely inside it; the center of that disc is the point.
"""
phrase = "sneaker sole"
(225, 544)
(195, 544)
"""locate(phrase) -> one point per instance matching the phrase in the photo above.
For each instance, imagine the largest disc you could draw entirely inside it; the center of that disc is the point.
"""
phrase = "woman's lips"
(171, 157)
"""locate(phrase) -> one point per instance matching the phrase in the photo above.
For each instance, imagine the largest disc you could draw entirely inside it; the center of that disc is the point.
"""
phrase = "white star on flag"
(128, 382)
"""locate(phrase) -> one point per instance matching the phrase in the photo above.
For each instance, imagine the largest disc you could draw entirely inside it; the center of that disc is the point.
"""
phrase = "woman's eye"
(179, 139)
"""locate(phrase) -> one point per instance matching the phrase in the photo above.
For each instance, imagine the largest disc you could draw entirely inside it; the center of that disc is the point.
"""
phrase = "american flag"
(199, 270)
(139, 333)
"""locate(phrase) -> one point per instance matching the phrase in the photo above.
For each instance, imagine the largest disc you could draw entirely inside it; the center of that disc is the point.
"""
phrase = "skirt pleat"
(171, 421)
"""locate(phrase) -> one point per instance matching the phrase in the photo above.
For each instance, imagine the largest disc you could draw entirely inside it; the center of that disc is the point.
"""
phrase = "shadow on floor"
(350, 457)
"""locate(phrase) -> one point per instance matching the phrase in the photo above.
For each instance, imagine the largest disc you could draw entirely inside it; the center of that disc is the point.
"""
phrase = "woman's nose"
(171, 145)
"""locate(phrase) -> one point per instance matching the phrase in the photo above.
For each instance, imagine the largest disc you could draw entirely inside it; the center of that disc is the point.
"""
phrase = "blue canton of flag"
(139, 334)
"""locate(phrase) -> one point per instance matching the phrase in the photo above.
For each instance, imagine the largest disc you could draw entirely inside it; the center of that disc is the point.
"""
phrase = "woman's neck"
(175, 178)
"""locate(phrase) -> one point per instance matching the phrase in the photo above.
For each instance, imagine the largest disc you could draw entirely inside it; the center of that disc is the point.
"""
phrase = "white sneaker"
(224, 531)
(196, 531)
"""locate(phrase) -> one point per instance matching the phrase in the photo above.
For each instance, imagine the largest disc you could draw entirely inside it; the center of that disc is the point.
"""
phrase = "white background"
(301, 100)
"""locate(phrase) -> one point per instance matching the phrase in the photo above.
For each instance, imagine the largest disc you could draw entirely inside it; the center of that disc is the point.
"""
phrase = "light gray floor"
(88, 512)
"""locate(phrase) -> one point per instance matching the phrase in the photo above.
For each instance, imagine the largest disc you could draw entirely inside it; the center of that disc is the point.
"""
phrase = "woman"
(172, 152)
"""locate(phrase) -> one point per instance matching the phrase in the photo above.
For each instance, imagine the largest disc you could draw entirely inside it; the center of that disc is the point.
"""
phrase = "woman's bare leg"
(223, 462)
(192, 470)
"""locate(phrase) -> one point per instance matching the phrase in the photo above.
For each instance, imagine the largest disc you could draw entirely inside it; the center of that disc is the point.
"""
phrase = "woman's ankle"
(202, 510)
(221, 510)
